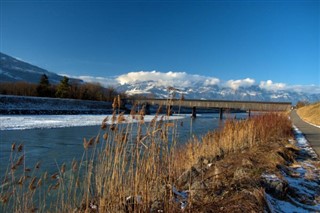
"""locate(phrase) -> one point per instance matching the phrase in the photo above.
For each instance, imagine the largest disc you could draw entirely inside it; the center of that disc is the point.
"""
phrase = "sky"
(271, 43)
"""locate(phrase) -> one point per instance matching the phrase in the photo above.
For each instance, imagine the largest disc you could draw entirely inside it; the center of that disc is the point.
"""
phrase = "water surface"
(53, 146)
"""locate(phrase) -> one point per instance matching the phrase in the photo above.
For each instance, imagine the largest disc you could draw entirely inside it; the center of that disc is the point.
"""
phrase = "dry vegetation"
(310, 113)
(137, 168)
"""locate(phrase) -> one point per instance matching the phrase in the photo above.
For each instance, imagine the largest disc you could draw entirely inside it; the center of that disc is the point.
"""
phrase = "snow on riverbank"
(302, 181)
(22, 122)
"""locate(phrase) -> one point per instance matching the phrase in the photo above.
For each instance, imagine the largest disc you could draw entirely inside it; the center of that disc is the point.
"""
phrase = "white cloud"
(304, 88)
(182, 80)
(175, 79)
(133, 77)
(106, 82)
(235, 84)
(211, 81)
(269, 85)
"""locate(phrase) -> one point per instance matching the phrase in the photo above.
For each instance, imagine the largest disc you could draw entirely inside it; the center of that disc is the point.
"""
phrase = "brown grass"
(131, 166)
(236, 136)
(238, 154)
(310, 113)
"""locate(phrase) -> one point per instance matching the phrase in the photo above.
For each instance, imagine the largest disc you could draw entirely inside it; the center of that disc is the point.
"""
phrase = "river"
(53, 139)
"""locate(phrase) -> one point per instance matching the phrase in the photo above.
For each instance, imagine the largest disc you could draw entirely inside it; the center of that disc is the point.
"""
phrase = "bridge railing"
(221, 104)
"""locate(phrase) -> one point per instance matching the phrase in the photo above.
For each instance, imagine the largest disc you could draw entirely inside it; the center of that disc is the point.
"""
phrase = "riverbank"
(222, 171)
(276, 176)
(24, 105)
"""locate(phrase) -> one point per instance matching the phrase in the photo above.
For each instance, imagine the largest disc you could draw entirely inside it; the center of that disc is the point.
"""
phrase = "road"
(311, 133)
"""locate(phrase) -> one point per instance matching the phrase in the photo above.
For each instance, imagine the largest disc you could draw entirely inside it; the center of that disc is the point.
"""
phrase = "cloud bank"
(235, 84)
(182, 80)
(269, 85)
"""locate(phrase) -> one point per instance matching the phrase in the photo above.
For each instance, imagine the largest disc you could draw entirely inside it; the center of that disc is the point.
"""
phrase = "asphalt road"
(311, 133)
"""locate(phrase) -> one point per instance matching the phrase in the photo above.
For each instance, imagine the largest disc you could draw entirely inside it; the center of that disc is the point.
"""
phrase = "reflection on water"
(54, 146)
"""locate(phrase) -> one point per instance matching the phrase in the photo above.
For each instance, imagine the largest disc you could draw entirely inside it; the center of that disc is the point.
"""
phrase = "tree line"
(65, 89)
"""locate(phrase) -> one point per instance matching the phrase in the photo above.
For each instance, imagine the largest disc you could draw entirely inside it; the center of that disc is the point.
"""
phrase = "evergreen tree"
(63, 89)
(43, 88)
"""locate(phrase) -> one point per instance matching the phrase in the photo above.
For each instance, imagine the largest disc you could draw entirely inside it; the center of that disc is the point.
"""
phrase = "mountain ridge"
(251, 93)
(14, 70)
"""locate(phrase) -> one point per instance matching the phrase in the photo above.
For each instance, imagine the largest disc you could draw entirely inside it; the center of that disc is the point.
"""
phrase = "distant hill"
(14, 70)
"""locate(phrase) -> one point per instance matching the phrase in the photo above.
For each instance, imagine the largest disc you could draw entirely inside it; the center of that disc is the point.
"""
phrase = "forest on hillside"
(65, 89)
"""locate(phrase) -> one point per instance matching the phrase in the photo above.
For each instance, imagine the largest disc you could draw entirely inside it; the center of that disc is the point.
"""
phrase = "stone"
(274, 186)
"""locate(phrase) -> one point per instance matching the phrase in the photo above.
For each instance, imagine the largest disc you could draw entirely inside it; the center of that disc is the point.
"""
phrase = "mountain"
(215, 92)
(14, 70)
(156, 84)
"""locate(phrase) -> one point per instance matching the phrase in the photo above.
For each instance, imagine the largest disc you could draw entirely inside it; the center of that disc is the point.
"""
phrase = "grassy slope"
(232, 184)
(310, 113)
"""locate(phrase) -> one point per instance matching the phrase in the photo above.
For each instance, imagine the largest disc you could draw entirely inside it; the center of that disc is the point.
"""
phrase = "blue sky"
(260, 40)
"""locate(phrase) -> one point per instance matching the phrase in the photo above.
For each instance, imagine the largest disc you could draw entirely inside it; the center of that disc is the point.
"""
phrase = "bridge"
(218, 104)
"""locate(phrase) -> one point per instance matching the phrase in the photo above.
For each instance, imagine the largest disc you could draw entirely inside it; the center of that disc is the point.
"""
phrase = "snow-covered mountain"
(155, 84)
(13, 70)
(215, 92)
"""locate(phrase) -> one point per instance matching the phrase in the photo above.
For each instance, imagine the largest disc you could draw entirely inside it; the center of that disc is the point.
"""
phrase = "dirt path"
(312, 133)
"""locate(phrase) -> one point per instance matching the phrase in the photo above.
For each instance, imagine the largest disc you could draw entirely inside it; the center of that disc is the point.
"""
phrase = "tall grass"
(125, 168)
(128, 167)
(235, 136)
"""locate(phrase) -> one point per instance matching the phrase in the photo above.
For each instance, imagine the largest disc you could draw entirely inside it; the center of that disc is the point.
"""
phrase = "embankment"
(310, 113)
(17, 105)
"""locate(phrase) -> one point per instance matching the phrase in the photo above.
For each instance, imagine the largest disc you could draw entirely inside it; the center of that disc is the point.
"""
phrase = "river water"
(53, 140)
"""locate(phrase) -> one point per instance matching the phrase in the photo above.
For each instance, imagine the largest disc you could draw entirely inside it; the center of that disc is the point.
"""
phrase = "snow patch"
(18, 122)
(303, 181)
(303, 143)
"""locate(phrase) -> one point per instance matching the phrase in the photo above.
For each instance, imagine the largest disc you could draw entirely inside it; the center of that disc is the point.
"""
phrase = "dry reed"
(234, 137)
(131, 166)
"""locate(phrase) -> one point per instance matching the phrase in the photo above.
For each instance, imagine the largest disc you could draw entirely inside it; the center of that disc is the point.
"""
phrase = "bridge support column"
(169, 110)
(147, 109)
(194, 112)
(220, 113)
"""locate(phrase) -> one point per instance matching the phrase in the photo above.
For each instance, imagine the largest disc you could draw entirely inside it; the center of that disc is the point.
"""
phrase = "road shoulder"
(312, 133)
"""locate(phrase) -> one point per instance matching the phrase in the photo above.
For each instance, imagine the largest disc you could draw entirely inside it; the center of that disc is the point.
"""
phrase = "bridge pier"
(194, 112)
(147, 109)
(220, 113)
(169, 110)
